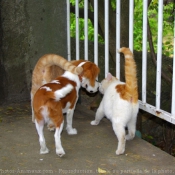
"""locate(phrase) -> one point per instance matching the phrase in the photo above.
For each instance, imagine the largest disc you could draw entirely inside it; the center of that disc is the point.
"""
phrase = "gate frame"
(155, 110)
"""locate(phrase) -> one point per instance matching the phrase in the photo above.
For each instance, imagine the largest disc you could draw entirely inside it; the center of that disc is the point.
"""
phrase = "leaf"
(155, 1)
(167, 42)
(10, 108)
(101, 171)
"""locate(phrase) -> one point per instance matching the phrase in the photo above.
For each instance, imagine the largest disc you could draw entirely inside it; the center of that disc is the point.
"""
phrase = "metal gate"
(155, 110)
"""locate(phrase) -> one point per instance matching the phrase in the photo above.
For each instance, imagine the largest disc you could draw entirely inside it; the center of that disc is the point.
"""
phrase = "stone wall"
(28, 30)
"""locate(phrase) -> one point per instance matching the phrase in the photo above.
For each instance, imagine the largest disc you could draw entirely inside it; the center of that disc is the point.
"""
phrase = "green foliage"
(138, 24)
(153, 21)
(81, 25)
(81, 29)
(113, 4)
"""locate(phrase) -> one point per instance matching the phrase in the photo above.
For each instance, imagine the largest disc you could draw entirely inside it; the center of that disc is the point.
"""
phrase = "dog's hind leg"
(57, 119)
(39, 127)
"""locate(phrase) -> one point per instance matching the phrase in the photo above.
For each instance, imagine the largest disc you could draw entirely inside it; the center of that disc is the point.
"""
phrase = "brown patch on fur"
(55, 112)
(127, 94)
(121, 90)
(47, 98)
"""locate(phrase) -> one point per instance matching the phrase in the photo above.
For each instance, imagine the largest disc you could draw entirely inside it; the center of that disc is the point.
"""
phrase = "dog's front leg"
(69, 117)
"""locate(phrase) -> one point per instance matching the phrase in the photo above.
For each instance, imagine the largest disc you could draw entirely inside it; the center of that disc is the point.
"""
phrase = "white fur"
(59, 149)
(55, 81)
(72, 77)
(81, 64)
(45, 113)
(86, 84)
(120, 112)
(46, 88)
(39, 127)
(63, 92)
(69, 116)
(66, 108)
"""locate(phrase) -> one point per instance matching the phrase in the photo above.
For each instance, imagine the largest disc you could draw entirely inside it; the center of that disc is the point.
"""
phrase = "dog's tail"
(58, 94)
(61, 93)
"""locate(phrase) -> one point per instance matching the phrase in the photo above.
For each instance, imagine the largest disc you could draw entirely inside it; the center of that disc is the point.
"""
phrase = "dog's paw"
(44, 151)
(51, 127)
(94, 122)
(60, 152)
(71, 131)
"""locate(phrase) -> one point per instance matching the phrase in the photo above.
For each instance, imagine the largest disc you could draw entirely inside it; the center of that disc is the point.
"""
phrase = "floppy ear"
(109, 76)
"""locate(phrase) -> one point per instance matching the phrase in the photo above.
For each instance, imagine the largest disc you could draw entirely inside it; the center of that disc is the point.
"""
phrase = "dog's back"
(56, 96)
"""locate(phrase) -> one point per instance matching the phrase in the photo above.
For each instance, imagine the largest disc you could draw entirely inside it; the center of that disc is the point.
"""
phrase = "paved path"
(92, 151)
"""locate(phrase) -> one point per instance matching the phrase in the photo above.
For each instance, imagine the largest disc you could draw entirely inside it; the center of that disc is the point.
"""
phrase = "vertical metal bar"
(173, 79)
(68, 32)
(159, 54)
(77, 30)
(144, 51)
(106, 36)
(96, 32)
(131, 22)
(118, 6)
(86, 29)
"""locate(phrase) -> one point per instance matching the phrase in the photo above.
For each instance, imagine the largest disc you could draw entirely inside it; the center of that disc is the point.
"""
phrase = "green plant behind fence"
(168, 26)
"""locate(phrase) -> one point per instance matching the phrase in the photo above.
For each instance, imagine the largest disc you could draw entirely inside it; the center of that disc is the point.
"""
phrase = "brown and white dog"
(51, 66)
(50, 102)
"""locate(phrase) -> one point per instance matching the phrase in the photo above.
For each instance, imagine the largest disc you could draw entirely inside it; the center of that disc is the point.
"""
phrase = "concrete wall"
(28, 30)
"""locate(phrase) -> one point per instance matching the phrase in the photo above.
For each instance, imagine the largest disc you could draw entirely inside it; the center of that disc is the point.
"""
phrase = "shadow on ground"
(91, 151)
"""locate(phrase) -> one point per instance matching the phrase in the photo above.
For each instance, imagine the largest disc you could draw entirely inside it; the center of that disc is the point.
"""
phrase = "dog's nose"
(91, 91)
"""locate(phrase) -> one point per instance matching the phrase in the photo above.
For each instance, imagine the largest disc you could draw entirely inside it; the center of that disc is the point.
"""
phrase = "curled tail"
(131, 87)
(55, 60)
